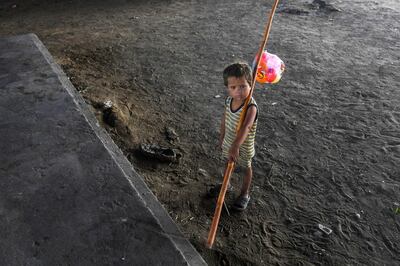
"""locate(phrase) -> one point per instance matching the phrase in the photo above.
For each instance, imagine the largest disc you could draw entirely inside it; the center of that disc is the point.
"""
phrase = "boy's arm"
(243, 132)
(222, 131)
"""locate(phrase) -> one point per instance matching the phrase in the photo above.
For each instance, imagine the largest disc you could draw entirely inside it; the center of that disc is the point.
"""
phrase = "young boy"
(239, 147)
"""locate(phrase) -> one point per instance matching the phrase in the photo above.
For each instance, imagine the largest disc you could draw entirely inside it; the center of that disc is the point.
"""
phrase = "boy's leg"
(247, 182)
(242, 201)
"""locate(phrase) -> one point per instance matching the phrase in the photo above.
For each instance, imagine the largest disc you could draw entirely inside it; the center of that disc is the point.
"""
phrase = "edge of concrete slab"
(134, 179)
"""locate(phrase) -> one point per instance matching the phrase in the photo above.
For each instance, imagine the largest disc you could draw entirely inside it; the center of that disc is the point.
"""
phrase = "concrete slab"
(68, 196)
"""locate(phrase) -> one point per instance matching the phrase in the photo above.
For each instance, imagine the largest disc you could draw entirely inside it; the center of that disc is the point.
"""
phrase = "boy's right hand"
(233, 153)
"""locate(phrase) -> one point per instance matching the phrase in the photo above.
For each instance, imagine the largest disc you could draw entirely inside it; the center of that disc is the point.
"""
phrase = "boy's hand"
(233, 153)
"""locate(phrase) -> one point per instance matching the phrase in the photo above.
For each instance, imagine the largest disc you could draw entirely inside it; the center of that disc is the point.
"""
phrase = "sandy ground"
(328, 141)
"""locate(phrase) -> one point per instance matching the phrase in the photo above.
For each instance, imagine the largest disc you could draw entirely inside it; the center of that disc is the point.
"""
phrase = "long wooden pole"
(230, 165)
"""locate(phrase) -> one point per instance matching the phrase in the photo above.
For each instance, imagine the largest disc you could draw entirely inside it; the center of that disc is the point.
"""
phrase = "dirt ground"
(328, 137)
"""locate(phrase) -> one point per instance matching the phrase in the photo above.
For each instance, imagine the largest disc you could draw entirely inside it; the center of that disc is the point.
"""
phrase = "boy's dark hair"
(238, 70)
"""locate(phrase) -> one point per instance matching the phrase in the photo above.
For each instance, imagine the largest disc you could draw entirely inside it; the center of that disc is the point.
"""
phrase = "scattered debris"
(109, 116)
(325, 229)
(154, 151)
(171, 134)
(289, 220)
(397, 208)
(358, 216)
(107, 104)
(226, 209)
(217, 96)
(203, 172)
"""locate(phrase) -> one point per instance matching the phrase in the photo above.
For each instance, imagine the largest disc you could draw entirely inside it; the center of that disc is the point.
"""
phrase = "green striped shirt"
(246, 150)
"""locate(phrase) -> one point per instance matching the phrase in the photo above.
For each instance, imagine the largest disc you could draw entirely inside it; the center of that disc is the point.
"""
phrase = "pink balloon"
(270, 69)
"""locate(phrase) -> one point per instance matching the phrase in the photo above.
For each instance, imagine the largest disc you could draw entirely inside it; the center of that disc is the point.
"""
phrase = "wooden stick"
(230, 165)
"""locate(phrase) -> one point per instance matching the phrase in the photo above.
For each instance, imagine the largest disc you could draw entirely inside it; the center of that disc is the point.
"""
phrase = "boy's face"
(238, 88)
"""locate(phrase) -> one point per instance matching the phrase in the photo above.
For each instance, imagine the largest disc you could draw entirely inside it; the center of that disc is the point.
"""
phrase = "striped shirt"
(232, 117)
